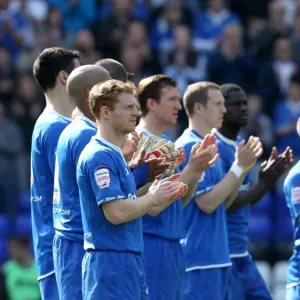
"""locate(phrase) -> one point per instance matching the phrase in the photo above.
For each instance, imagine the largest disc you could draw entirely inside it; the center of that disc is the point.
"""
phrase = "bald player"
(116, 69)
(68, 240)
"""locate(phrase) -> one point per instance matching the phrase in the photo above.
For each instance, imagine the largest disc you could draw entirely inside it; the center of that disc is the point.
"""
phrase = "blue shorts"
(67, 258)
(248, 283)
(48, 288)
(165, 268)
(212, 284)
(113, 275)
(293, 293)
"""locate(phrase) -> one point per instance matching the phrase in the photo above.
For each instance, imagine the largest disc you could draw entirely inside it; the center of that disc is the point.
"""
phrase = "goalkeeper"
(159, 100)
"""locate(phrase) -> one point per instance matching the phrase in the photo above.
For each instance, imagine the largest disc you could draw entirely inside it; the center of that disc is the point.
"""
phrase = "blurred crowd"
(253, 43)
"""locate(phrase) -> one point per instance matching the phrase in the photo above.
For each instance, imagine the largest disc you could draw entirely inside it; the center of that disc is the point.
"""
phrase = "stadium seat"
(24, 202)
(260, 228)
(3, 250)
(5, 225)
(23, 225)
(283, 229)
(264, 205)
(279, 273)
(279, 292)
(265, 270)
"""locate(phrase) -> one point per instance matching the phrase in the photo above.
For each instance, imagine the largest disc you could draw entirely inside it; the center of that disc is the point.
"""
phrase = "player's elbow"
(113, 216)
(208, 208)
(154, 212)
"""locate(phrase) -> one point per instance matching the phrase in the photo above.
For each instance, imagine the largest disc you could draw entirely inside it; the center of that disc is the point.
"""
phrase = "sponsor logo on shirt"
(102, 177)
(36, 199)
(295, 192)
(60, 211)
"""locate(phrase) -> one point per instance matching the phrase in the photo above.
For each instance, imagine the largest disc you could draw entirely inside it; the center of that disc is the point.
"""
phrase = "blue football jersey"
(102, 176)
(237, 221)
(169, 223)
(291, 189)
(206, 240)
(66, 204)
(45, 136)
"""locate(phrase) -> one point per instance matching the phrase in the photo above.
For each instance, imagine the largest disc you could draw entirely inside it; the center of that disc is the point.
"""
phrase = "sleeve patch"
(102, 177)
(295, 192)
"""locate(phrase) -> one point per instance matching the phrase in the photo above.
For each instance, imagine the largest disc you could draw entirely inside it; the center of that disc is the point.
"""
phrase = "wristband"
(237, 170)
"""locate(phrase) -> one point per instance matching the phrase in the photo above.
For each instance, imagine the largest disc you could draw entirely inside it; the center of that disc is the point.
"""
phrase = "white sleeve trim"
(239, 255)
(208, 267)
(46, 275)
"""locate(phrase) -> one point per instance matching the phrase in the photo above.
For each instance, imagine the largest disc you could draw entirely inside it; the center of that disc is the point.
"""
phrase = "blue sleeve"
(140, 175)
(50, 141)
(105, 178)
(207, 182)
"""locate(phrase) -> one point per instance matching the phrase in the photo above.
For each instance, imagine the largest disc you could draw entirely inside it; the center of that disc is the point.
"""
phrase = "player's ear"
(105, 112)
(151, 103)
(198, 108)
(87, 92)
(63, 77)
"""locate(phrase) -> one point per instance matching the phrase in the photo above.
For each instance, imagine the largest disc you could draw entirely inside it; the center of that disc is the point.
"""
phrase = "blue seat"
(5, 226)
(264, 205)
(260, 228)
(24, 202)
(23, 225)
(3, 250)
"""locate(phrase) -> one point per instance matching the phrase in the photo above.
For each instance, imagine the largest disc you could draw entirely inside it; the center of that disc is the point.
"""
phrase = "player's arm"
(214, 194)
(269, 173)
(117, 206)
(125, 210)
(200, 157)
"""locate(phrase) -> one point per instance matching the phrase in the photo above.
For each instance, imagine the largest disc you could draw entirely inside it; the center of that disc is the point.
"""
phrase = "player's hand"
(273, 168)
(247, 155)
(166, 190)
(131, 145)
(157, 168)
(203, 155)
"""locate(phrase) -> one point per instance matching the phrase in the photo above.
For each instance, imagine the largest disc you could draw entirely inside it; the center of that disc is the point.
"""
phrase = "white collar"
(223, 138)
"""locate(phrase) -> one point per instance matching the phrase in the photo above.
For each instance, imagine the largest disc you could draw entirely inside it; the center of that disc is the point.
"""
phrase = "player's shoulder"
(187, 140)
(96, 151)
(293, 176)
(50, 123)
(77, 130)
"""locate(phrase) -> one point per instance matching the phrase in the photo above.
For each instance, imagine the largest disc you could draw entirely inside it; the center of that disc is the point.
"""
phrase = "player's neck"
(200, 127)
(87, 113)
(59, 101)
(151, 124)
(230, 133)
(109, 134)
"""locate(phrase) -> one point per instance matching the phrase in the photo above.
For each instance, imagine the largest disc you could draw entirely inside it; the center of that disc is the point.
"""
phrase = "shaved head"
(116, 69)
(82, 79)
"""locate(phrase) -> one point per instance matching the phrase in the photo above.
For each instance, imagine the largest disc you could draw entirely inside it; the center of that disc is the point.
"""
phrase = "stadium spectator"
(232, 62)
(20, 271)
